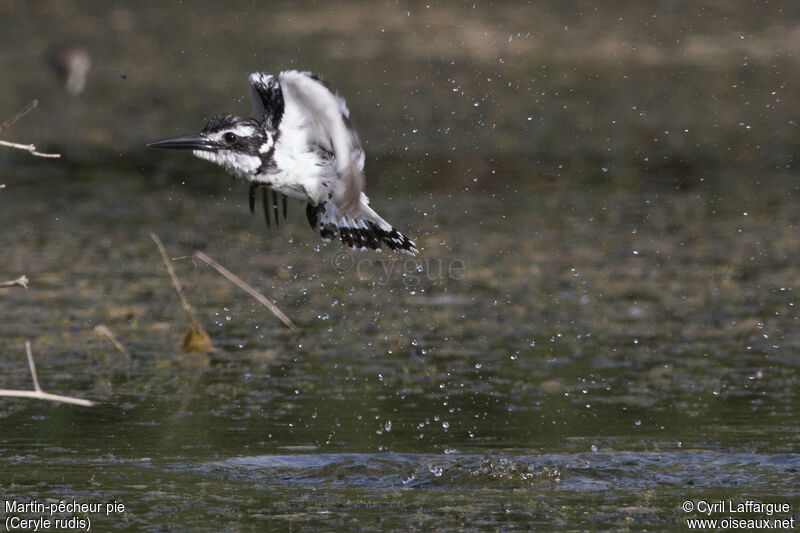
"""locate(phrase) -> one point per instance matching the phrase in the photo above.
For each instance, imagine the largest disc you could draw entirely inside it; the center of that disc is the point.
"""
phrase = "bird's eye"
(229, 137)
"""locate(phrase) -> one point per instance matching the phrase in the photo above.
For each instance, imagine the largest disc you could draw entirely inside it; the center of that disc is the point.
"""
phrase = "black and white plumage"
(300, 143)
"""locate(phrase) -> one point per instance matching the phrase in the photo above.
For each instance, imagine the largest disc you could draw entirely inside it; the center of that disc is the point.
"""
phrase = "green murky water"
(601, 325)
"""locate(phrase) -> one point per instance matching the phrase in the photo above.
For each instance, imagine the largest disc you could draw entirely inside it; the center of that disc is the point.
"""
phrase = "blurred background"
(667, 93)
(600, 326)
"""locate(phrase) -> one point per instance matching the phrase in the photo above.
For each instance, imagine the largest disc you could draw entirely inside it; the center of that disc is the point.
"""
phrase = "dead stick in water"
(248, 289)
(103, 330)
(37, 393)
(21, 113)
(21, 281)
(28, 147)
(176, 283)
(195, 339)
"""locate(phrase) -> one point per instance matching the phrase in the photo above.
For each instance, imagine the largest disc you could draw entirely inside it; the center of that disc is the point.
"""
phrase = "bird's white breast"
(242, 166)
(298, 172)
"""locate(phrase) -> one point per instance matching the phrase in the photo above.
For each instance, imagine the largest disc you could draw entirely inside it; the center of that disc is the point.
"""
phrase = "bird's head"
(235, 143)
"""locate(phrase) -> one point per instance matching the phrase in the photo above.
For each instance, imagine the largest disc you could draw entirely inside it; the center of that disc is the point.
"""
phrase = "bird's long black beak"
(194, 141)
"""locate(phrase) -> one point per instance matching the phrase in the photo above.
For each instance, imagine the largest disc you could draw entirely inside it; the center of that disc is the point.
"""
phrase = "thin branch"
(21, 113)
(21, 281)
(28, 148)
(8, 393)
(248, 289)
(37, 393)
(31, 364)
(104, 331)
(195, 338)
(176, 282)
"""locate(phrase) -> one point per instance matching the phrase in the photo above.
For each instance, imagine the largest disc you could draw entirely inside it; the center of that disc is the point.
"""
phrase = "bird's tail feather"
(366, 230)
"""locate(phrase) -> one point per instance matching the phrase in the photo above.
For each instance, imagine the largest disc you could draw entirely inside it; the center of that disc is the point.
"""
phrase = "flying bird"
(300, 143)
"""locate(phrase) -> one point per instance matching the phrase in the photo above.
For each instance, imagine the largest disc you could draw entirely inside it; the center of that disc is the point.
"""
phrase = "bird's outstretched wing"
(314, 111)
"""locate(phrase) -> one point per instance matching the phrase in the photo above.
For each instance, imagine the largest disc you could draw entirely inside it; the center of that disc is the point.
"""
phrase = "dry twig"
(31, 148)
(21, 281)
(21, 113)
(247, 288)
(175, 281)
(37, 393)
(195, 339)
(104, 331)
(27, 147)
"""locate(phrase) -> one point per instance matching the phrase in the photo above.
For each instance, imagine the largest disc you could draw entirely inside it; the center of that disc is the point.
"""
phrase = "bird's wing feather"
(321, 114)
(266, 99)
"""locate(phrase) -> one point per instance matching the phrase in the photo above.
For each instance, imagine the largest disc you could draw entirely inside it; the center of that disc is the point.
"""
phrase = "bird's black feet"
(268, 206)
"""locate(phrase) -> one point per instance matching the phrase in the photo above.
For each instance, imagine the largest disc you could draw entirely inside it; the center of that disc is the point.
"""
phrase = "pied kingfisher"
(300, 143)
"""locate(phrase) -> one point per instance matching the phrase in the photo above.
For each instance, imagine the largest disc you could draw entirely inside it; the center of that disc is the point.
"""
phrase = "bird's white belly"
(299, 174)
